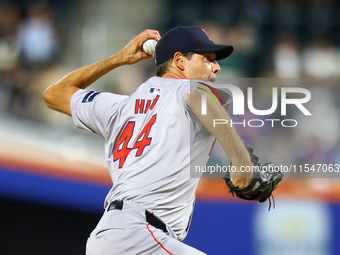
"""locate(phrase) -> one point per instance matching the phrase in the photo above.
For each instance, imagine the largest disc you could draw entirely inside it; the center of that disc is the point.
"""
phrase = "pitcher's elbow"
(47, 96)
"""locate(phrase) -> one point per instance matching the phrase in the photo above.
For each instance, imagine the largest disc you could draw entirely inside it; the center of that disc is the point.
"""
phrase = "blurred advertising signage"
(297, 227)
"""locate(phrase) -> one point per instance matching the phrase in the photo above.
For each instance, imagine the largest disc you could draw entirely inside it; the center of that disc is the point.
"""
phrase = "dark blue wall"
(217, 227)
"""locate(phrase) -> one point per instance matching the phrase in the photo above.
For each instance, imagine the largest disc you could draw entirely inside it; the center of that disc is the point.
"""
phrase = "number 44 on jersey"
(121, 150)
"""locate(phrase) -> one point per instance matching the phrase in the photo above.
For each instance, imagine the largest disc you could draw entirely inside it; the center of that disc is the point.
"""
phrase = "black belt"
(150, 217)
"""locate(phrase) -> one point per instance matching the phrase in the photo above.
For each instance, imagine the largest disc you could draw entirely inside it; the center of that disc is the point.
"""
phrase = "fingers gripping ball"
(149, 46)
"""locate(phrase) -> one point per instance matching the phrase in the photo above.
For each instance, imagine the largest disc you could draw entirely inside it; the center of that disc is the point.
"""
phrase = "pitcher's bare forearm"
(225, 134)
(58, 95)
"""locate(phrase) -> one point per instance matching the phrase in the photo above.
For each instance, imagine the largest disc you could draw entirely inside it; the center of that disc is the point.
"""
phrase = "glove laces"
(270, 202)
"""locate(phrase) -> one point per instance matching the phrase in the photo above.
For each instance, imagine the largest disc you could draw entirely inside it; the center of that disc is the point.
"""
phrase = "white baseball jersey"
(151, 137)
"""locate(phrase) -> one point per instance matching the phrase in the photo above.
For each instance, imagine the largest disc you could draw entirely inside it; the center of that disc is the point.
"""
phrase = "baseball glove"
(265, 179)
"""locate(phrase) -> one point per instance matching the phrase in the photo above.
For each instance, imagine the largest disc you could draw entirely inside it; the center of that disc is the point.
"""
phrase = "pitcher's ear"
(180, 61)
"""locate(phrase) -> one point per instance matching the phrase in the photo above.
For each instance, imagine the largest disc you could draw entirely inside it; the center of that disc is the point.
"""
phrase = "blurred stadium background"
(53, 178)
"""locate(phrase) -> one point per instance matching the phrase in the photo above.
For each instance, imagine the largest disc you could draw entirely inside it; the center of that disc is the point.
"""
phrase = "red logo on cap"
(206, 33)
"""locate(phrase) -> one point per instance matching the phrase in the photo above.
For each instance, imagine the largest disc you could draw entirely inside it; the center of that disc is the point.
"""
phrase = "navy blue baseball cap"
(188, 38)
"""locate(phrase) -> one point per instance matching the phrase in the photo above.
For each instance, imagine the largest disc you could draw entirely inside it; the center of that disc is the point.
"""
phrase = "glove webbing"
(268, 190)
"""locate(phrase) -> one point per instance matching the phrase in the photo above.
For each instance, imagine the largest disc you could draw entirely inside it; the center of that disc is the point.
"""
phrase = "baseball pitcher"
(152, 137)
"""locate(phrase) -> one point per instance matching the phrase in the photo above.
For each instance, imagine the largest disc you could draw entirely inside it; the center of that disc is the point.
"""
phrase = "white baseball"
(149, 46)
